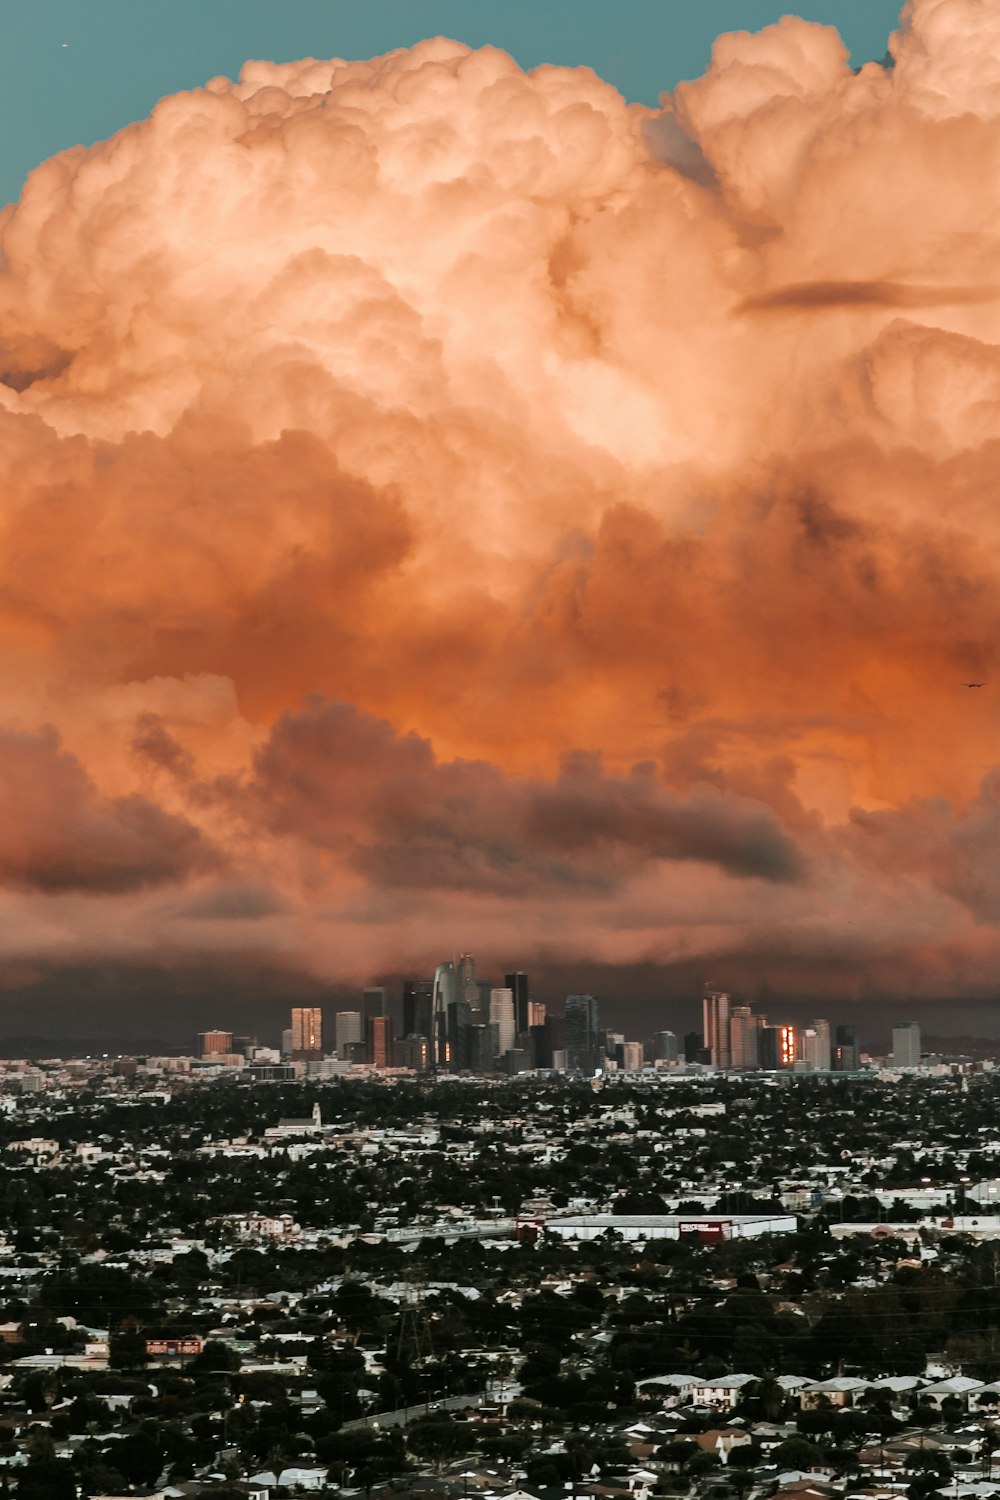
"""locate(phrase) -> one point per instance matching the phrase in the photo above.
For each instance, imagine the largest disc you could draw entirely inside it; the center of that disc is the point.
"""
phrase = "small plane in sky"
(972, 684)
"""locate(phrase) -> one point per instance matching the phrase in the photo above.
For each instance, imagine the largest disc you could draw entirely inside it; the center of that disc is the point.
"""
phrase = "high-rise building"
(715, 1017)
(769, 1046)
(215, 1043)
(666, 1047)
(468, 985)
(845, 1056)
(484, 1044)
(503, 1018)
(814, 1047)
(541, 1049)
(744, 1038)
(307, 1030)
(348, 1031)
(411, 1052)
(536, 1013)
(788, 1046)
(694, 1043)
(628, 1055)
(418, 1007)
(374, 1001)
(546, 1040)
(517, 983)
(378, 1041)
(582, 1026)
(445, 994)
(906, 1045)
(374, 1006)
(459, 1028)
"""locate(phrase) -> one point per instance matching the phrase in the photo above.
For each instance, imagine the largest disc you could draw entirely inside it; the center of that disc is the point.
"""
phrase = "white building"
(906, 1045)
(503, 1018)
(814, 1042)
(347, 1030)
(670, 1226)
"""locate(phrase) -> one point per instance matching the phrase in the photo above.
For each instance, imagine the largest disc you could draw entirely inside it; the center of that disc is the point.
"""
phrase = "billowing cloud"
(333, 777)
(60, 835)
(447, 506)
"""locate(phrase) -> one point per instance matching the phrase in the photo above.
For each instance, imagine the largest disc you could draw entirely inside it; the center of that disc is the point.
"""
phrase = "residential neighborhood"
(698, 1286)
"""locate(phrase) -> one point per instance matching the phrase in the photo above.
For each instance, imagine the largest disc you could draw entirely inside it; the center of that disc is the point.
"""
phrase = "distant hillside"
(86, 1046)
(976, 1047)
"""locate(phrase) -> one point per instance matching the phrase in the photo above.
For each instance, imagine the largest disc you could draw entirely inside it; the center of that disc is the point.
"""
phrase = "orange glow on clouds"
(444, 506)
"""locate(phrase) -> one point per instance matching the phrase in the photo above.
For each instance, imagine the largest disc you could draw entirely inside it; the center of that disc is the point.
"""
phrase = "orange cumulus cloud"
(443, 505)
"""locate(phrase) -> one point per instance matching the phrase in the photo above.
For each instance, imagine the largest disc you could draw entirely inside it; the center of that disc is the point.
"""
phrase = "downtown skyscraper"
(716, 1013)
(582, 1027)
(307, 1030)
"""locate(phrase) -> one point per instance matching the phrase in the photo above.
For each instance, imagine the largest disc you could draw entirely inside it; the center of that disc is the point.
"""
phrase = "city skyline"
(455, 1023)
(449, 498)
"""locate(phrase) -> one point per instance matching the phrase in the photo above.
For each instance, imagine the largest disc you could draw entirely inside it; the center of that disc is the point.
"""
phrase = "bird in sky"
(972, 684)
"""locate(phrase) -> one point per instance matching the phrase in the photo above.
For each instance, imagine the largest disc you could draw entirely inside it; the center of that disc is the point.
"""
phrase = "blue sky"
(122, 55)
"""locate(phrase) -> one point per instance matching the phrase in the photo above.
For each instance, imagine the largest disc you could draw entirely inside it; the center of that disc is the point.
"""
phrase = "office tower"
(418, 1007)
(769, 1046)
(788, 1046)
(744, 1038)
(459, 1028)
(378, 1041)
(503, 1018)
(906, 1045)
(215, 1043)
(374, 1002)
(541, 1050)
(628, 1055)
(814, 1047)
(445, 994)
(665, 1046)
(517, 1060)
(517, 983)
(693, 1044)
(412, 1052)
(715, 1016)
(582, 1050)
(483, 1047)
(546, 1040)
(466, 982)
(348, 1031)
(286, 1042)
(845, 1056)
(536, 1013)
(307, 1029)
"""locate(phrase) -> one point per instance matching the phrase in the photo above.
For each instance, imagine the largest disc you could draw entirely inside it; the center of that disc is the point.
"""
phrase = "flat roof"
(666, 1221)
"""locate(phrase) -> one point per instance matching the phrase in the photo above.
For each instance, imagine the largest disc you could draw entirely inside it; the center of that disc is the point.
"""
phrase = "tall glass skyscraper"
(582, 1026)
(517, 983)
(307, 1029)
